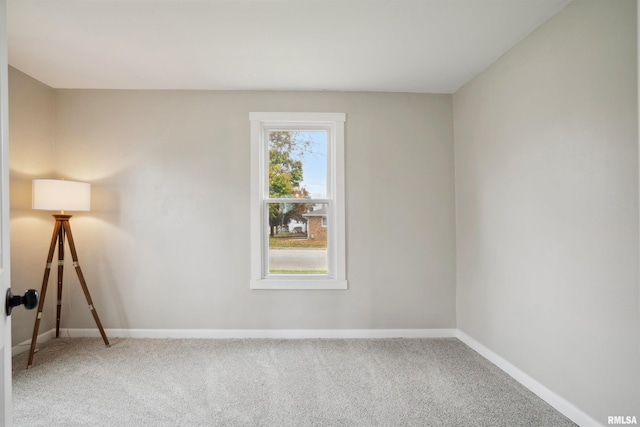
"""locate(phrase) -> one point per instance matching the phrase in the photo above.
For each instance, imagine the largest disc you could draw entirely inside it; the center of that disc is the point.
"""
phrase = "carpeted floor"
(261, 382)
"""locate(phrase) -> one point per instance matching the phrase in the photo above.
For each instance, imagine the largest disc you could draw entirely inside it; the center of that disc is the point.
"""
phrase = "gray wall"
(166, 245)
(31, 148)
(546, 154)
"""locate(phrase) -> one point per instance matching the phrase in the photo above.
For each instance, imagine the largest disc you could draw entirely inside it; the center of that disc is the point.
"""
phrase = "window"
(297, 201)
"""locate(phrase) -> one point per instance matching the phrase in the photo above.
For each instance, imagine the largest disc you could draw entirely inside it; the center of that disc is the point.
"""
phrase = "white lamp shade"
(60, 195)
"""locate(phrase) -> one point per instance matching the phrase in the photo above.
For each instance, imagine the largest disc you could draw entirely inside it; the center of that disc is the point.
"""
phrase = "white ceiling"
(429, 46)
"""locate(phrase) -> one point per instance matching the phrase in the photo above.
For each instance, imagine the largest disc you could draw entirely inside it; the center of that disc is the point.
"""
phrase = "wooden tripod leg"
(60, 272)
(43, 291)
(83, 283)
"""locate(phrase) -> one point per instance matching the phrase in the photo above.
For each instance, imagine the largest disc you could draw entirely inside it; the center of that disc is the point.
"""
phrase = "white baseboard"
(263, 333)
(563, 406)
(24, 345)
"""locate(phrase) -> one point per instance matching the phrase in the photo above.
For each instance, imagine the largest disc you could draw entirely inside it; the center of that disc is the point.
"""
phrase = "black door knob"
(29, 299)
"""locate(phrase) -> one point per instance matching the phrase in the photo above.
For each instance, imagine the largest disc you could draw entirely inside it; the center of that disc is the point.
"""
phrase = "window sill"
(299, 284)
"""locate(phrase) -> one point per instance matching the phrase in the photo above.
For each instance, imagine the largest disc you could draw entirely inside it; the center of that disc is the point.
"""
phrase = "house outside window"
(297, 201)
(317, 224)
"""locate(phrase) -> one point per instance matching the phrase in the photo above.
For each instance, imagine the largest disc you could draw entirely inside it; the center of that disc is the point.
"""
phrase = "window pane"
(297, 164)
(297, 238)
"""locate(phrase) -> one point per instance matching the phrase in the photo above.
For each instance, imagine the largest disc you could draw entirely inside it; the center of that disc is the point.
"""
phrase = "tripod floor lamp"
(61, 195)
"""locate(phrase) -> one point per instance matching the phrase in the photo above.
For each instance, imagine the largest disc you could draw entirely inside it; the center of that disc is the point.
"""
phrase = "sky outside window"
(310, 149)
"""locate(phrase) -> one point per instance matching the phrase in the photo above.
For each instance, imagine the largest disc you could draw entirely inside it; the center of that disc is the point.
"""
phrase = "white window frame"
(335, 199)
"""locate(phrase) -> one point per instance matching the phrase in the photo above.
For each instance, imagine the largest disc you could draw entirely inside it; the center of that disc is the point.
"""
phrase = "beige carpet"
(260, 382)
